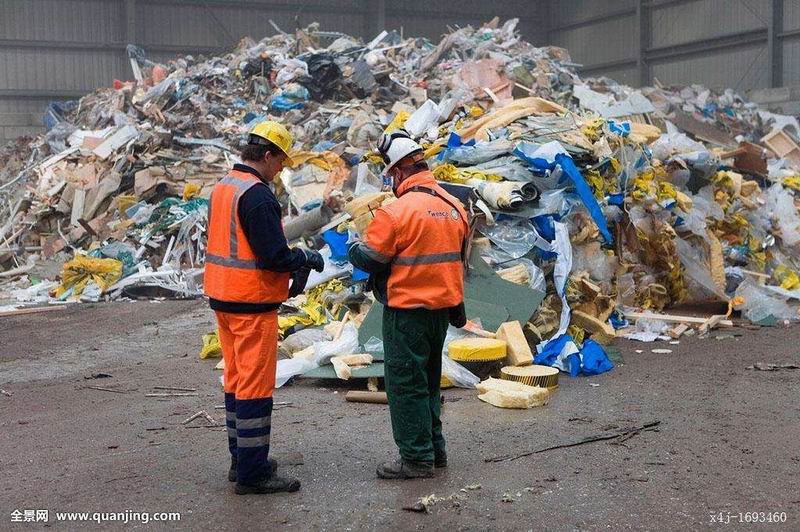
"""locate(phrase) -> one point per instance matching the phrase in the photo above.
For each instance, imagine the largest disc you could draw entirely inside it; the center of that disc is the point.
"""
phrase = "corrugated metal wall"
(718, 43)
(56, 49)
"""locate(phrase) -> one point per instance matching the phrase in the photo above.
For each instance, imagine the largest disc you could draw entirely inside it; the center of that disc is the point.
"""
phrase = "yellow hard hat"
(275, 133)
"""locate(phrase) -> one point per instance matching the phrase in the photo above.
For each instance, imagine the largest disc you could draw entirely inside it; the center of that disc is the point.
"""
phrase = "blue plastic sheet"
(561, 352)
(623, 129)
(585, 193)
(338, 243)
(282, 103)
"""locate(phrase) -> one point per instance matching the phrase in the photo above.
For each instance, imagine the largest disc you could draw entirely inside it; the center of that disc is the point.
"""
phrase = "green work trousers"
(412, 344)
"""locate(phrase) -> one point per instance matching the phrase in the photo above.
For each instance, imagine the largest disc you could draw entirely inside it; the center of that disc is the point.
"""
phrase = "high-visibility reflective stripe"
(231, 432)
(436, 258)
(234, 238)
(242, 186)
(255, 441)
(232, 263)
(374, 255)
(230, 416)
(253, 423)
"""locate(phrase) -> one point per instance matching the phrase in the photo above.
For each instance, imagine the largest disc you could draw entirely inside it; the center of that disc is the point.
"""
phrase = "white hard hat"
(396, 145)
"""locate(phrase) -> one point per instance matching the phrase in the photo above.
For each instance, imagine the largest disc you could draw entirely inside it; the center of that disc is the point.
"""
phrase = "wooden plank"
(677, 331)
(31, 310)
(702, 130)
(710, 323)
(671, 318)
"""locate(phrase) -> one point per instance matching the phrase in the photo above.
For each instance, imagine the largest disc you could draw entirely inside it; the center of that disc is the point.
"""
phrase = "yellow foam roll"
(476, 349)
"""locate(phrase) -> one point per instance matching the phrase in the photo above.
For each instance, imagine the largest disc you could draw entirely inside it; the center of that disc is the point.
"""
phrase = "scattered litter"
(764, 366)
(661, 351)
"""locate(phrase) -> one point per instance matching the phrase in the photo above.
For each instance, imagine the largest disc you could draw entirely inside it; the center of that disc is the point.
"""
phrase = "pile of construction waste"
(596, 204)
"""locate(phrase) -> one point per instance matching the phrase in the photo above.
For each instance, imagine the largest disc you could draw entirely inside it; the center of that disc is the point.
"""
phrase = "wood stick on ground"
(31, 310)
(170, 395)
(621, 435)
(193, 417)
(174, 388)
(104, 389)
(357, 396)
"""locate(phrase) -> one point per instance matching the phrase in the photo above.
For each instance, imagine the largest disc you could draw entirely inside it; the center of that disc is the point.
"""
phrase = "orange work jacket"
(421, 235)
(232, 273)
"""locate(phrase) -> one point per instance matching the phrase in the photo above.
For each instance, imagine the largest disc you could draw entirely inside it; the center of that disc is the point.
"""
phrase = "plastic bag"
(211, 346)
(291, 367)
(781, 209)
(304, 338)
(458, 374)
(516, 237)
(695, 270)
(366, 181)
(346, 344)
(423, 119)
(761, 303)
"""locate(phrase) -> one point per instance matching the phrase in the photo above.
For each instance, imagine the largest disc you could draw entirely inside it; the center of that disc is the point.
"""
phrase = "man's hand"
(299, 280)
(314, 260)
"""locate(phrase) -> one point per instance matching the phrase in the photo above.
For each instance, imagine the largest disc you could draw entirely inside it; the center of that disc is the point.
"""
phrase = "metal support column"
(380, 16)
(643, 19)
(775, 43)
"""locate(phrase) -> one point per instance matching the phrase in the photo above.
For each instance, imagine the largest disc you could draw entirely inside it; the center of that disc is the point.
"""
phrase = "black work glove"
(299, 280)
(458, 315)
(314, 260)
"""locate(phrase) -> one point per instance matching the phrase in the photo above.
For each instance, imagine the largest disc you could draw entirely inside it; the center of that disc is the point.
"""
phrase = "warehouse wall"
(58, 49)
(719, 43)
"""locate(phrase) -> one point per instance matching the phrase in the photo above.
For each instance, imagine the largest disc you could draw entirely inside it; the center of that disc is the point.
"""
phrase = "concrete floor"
(727, 442)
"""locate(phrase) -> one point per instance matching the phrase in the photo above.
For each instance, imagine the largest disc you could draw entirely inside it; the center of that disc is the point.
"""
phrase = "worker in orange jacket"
(413, 250)
(248, 271)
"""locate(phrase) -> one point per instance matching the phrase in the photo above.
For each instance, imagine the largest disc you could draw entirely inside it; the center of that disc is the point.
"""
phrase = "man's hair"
(256, 152)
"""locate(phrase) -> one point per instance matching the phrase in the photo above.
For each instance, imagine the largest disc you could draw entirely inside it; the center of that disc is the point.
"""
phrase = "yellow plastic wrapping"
(211, 346)
(80, 270)
(191, 190)
(397, 122)
(314, 311)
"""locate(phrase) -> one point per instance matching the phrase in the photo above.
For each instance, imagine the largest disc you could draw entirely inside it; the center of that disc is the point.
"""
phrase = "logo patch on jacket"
(454, 214)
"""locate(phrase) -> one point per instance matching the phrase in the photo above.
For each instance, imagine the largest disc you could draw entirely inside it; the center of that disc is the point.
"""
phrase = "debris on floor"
(602, 207)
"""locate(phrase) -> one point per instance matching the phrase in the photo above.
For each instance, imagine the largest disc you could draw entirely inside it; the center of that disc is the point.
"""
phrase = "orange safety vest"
(422, 234)
(232, 273)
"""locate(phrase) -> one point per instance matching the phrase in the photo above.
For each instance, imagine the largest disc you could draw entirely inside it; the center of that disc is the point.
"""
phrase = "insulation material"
(476, 349)
(510, 394)
(518, 351)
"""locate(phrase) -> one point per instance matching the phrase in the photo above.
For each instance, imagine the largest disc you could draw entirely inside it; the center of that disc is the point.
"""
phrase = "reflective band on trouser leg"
(230, 422)
(253, 420)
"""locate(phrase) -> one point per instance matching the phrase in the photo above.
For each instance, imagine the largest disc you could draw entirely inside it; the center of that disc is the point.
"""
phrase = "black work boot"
(440, 460)
(232, 471)
(273, 484)
(403, 470)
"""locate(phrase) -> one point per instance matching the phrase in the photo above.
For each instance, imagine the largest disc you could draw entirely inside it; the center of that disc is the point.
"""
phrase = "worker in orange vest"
(248, 271)
(413, 250)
